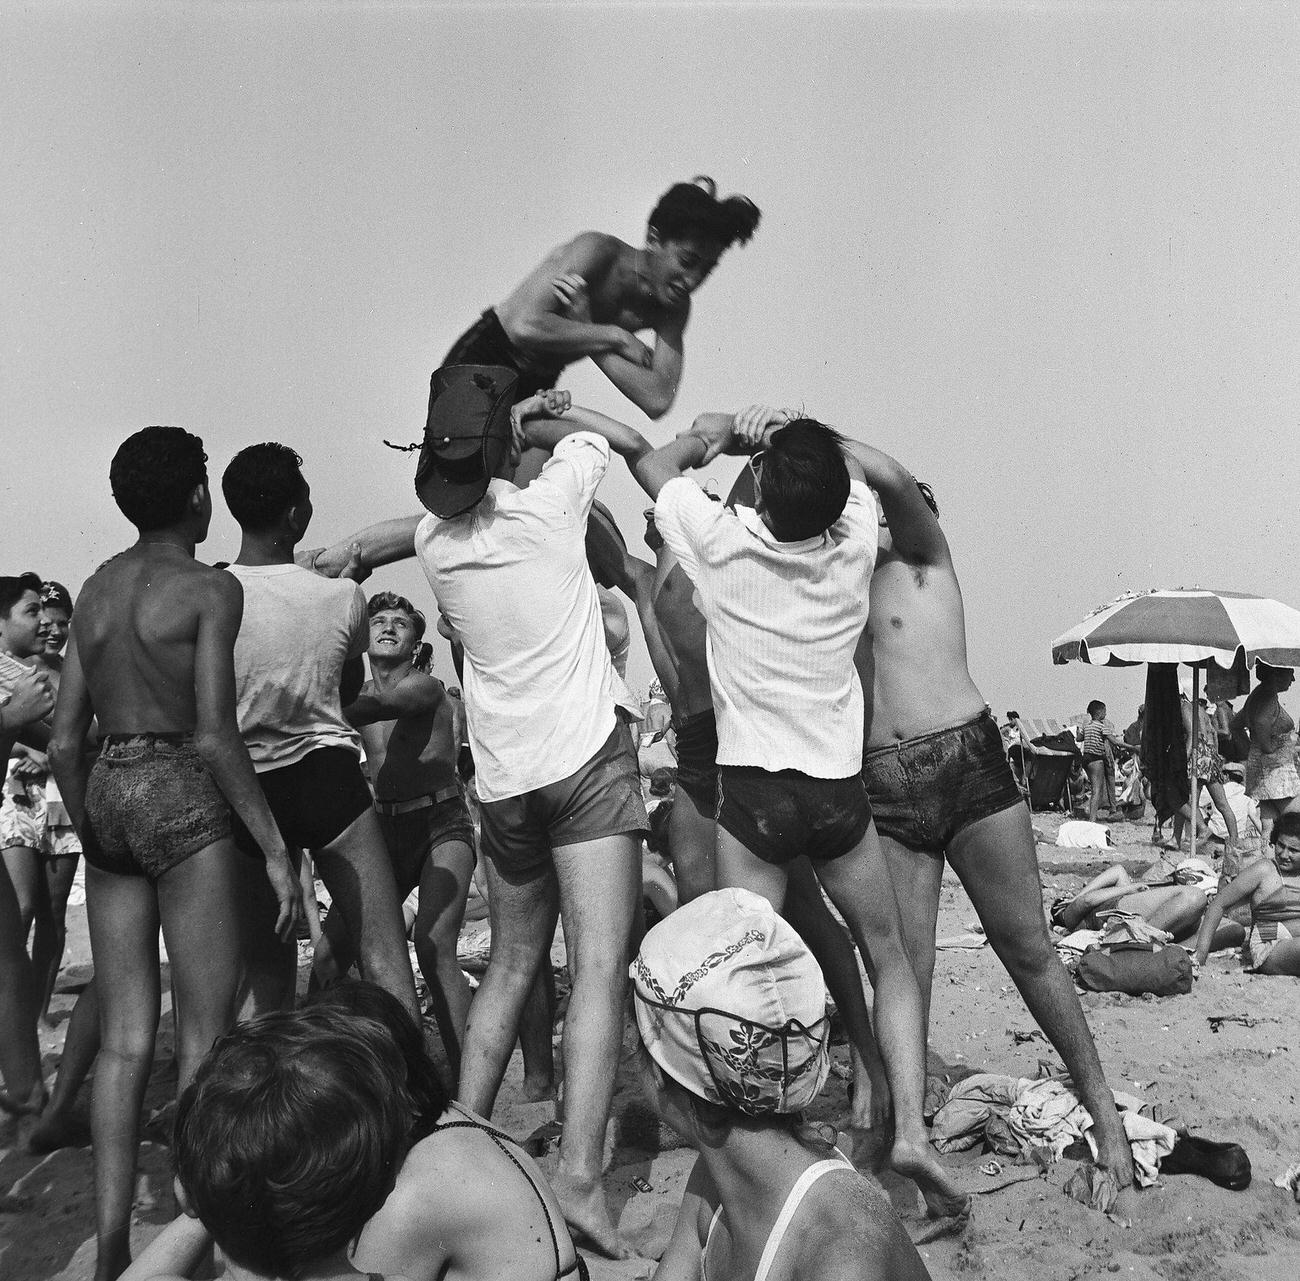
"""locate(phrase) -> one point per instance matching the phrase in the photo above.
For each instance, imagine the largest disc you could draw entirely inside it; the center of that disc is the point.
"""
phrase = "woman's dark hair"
(13, 587)
(693, 208)
(367, 1001)
(261, 483)
(56, 596)
(803, 480)
(1287, 824)
(153, 474)
(289, 1138)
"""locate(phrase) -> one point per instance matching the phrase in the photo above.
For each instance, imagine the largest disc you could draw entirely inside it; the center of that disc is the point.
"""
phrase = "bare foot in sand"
(57, 1130)
(942, 1195)
(587, 1215)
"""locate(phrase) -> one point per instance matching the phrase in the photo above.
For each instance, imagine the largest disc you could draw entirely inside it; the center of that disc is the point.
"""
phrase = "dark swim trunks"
(314, 800)
(697, 759)
(925, 790)
(151, 803)
(485, 342)
(781, 815)
(413, 835)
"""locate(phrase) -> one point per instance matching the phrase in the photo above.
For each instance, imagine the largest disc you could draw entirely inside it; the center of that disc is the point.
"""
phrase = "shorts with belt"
(414, 832)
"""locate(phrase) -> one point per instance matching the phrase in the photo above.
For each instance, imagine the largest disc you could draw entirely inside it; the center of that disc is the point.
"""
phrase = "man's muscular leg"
(600, 891)
(692, 845)
(356, 870)
(833, 949)
(995, 860)
(522, 911)
(857, 883)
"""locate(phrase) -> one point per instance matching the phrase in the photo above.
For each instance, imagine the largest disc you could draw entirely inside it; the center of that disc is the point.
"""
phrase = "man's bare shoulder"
(184, 584)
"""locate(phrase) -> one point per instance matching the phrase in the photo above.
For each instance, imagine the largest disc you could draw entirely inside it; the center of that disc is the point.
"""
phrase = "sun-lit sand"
(1238, 1083)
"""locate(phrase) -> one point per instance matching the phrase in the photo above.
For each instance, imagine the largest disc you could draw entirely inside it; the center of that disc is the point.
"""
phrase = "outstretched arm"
(544, 429)
(360, 553)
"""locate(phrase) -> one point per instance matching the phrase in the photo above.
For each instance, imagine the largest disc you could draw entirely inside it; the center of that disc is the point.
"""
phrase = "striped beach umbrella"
(1184, 625)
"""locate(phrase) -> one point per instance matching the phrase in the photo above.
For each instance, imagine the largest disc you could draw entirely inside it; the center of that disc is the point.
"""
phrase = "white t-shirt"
(298, 631)
(784, 620)
(511, 577)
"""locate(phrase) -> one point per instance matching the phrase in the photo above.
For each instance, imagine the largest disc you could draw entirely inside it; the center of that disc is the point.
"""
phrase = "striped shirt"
(784, 620)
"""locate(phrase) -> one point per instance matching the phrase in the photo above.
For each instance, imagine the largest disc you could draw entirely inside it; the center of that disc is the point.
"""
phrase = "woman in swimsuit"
(1272, 888)
(1271, 777)
(731, 1008)
(468, 1204)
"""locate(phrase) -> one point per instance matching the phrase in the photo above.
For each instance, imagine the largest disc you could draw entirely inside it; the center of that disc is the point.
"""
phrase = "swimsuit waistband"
(391, 808)
(144, 739)
(985, 715)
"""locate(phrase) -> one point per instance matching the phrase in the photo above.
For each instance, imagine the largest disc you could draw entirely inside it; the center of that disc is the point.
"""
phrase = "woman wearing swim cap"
(731, 1008)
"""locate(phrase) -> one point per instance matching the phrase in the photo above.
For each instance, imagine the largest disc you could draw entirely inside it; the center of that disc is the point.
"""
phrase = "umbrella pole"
(1191, 761)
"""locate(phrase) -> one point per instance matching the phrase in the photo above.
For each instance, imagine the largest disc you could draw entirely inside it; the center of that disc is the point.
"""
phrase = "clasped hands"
(743, 433)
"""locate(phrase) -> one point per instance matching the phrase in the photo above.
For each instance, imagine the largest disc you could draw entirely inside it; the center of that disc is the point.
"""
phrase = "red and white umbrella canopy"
(1179, 625)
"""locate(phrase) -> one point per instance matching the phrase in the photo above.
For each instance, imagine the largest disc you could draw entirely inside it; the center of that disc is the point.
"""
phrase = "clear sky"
(1046, 254)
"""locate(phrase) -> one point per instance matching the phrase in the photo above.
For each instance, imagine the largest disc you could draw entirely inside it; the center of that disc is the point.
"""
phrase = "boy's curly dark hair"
(803, 479)
(368, 1004)
(153, 474)
(13, 587)
(261, 483)
(694, 207)
(289, 1138)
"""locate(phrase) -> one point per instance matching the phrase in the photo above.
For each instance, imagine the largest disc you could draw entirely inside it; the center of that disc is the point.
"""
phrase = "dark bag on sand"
(1136, 968)
(1223, 1163)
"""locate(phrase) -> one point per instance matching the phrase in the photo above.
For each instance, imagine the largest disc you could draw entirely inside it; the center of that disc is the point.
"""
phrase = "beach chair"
(1049, 770)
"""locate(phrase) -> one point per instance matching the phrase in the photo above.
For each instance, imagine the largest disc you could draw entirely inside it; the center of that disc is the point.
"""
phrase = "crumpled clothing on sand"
(1016, 1115)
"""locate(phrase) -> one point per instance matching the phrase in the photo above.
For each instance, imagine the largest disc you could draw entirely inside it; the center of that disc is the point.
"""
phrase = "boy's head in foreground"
(801, 482)
(159, 479)
(266, 491)
(289, 1138)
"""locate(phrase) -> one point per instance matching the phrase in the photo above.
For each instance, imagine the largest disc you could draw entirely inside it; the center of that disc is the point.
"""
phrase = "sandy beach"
(1222, 1059)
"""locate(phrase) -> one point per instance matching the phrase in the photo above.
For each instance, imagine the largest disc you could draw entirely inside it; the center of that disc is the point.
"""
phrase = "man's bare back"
(139, 621)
